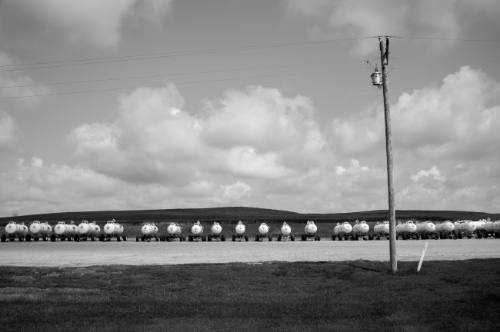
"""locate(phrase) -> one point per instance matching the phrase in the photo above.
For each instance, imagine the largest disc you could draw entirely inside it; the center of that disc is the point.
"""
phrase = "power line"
(122, 78)
(410, 37)
(249, 47)
(132, 87)
(466, 40)
(138, 57)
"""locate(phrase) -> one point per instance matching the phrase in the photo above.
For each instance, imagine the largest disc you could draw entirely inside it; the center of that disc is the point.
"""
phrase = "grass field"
(358, 295)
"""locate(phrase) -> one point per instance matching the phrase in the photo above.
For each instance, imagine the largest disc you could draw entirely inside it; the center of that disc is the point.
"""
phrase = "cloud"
(156, 153)
(446, 122)
(254, 138)
(446, 18)
(151, 140)
(236, 190)
(14, 84)
(8, 130)
(354, 168)
(91, 21)
(266, 128)
(432, 121)
(437, 130)
(269, 120)
(254, 133)
(432, 173)
(36, 187)
(245, 161)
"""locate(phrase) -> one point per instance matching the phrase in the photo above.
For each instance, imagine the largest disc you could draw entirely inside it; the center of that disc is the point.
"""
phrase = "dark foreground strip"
(356, 295)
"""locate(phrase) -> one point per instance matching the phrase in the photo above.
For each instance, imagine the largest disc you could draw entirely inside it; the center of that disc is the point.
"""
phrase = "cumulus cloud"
(32, 186)
(254, 133)
(458, 119)
(269, 121)
(254, 138)
(446, 18)
(169, 156)
(91, 21)
(151, 140)
(447, 129)
(446, 147)
(433, 121)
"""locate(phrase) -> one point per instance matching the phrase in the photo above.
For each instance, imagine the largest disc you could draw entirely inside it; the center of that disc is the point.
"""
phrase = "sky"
(149, 104)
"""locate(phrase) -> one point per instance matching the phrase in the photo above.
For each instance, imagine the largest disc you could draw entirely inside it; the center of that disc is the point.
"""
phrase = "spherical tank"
(197, 228)
(216, 228)
(263, 228)
(60, 228)
(310, 227)
(240, 228)
(286, 229)
(173, 229)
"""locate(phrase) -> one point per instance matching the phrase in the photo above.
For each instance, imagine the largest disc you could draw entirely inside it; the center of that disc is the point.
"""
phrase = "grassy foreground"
(359, 295)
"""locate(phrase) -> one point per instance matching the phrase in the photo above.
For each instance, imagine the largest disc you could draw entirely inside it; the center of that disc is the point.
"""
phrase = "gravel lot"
(133, 253)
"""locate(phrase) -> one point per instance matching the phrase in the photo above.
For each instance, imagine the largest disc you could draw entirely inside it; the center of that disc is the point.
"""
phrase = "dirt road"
(133, 253)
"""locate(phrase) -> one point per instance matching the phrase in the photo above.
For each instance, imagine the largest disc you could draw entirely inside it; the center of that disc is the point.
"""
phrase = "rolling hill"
(232, 214)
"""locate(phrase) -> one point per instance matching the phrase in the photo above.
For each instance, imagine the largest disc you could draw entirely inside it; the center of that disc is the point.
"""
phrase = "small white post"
(422, 257)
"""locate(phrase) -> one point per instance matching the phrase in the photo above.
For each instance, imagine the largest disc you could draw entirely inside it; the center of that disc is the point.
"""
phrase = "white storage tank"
(360, 230)
(341, 231)
(216, 232)
(239, 231)
(286, 233)
(39, 230)
(481, 228)
(310, 231)
(196, 232)
(174, 232)
(113, 229)
(310, 228)
(240, 228)
(381, 229)
(14, 230)
(174, 229)
(64, 231)
(149, 231)
(263, 232)
(496, 227)
(406, 230)
(286, 230)
(465, 228)
(263, 228)
(88, 230)
(426, 229)
(197, 228)
(216, 228)
(410, 227)
(489, 227)
(445, 229)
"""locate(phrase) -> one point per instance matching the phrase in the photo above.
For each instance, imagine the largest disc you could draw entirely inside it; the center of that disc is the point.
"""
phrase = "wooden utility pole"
(384, 61)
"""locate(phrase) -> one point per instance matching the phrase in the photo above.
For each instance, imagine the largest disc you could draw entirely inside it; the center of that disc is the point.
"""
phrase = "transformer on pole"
(379, 79)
